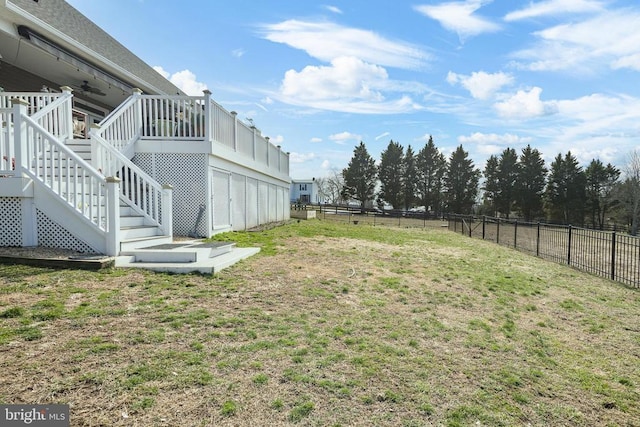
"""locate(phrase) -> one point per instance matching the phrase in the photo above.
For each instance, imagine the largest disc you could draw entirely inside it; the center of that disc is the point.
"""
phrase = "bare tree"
(632, 189)
(332, 187)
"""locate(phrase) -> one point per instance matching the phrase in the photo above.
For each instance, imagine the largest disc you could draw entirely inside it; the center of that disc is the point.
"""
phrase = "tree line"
(511, 184)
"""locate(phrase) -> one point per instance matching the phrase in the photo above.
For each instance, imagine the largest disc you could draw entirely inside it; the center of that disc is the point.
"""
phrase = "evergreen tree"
(360, 177)
(565, 193)
(491, 184)
(390, 174)
(409, 178)
(461, 182)
(432, 166)
(507, 174)
(530, 184)
(601, 180)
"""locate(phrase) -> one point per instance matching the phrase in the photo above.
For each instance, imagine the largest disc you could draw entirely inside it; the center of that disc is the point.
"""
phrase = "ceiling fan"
(90, 89)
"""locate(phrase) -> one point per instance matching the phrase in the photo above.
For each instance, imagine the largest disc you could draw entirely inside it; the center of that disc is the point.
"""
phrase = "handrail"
(55, 116)
(138, 189)
(48, 161)
(121, 128)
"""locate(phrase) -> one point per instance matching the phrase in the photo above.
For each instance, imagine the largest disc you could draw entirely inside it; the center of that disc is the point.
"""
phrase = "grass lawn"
(330, 325)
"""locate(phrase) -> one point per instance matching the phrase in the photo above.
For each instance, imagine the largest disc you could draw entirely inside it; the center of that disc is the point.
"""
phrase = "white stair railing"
(112, 143)
(47, 160)
(139, 190)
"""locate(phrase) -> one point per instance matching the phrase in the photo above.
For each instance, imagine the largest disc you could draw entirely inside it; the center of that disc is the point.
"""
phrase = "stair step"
(131, 221)
(138, 232)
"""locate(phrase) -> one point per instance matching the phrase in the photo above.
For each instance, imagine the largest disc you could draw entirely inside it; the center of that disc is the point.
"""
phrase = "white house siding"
(239, 201)
(221, 198)
(252, 203)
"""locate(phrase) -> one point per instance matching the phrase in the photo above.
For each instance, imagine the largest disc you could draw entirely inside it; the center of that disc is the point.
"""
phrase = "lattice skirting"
(11, 220)
(52, 235)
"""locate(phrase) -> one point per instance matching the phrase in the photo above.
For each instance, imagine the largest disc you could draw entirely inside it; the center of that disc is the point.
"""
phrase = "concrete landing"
(185, 257)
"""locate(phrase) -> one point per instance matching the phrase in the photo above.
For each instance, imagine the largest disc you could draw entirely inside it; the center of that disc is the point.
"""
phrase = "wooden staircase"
(134, 232)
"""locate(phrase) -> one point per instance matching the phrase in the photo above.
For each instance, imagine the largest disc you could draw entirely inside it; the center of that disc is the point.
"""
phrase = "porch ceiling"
(22, 54)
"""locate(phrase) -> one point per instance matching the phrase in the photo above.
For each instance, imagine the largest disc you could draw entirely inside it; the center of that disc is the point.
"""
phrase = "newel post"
(137, 110)
(96, 155)
(167, 210)
(19, 148)
(19, 132)
(113, 216)
(208, 117)
(68, 112)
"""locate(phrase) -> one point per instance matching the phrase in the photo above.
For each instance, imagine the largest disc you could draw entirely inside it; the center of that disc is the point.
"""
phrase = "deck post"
(235, 130)
(208, 128)
(113, 216)
(167, 210)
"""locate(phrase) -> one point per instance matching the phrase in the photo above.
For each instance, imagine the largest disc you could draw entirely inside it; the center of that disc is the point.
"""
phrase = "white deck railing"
(50, 110)
(199, 118)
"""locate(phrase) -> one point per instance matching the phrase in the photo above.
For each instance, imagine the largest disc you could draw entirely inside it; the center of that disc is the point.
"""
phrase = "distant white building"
(305, 191)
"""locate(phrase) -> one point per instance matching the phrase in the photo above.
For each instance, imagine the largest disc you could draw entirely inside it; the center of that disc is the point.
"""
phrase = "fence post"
(538, 240)
(484, 225)
(515, 234)
(498, 231)
(569, 247)
(470, 222)
(613, 255)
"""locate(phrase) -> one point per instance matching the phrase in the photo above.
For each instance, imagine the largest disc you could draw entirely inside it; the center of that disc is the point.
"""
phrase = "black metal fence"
(603, 253)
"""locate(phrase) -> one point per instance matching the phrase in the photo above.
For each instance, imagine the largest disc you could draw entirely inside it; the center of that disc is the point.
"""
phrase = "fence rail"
(603, 253)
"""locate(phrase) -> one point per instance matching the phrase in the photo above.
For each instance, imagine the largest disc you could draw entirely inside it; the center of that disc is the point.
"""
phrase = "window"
(303, 187)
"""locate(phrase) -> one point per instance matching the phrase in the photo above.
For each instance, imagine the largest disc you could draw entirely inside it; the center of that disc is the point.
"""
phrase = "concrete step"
(180, 252)
(128, 245)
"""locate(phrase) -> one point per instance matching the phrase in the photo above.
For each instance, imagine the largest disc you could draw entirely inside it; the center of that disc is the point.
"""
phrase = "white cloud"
(506, 139)
(315, 140)
(301, 157)
(267, 100)
(348, 84)
(343, 137)
(481, 85)
(609, 39)
(238, 53)
(185, 80)
(382, 135)
(630, 61)
(327, 41)
(326, 165)
(277, 140)
(524, 105)
(555, 7)
(333, 9)
(459, 17)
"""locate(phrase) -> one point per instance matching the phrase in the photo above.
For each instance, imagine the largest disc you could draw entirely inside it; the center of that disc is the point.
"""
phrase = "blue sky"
(319, 77)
